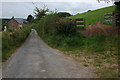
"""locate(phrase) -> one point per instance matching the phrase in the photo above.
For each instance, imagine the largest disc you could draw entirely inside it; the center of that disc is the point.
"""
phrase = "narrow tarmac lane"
(34, 59)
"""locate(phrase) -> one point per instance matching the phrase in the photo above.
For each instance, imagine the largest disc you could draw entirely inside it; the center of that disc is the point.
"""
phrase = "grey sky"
(23, 9)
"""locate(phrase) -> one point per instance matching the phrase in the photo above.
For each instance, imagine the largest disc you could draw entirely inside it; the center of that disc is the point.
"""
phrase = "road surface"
(35, 59)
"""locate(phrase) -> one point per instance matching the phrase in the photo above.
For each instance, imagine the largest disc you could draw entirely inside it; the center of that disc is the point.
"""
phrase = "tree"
(88, 10)
(30, 18)
(117, 13)
(63, 14)
(39, 13)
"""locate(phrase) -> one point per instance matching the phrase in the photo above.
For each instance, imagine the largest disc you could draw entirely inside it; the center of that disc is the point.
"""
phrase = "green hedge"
(12, 40)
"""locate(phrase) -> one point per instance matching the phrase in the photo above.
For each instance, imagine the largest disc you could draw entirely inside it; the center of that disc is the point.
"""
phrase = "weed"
(86, 65)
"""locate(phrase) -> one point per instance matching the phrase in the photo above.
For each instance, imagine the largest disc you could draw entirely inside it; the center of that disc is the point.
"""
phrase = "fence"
(117, 19)
(108, 18)
(80, 23)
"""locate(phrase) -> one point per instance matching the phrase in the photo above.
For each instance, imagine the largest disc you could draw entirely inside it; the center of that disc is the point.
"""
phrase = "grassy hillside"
(94, 16)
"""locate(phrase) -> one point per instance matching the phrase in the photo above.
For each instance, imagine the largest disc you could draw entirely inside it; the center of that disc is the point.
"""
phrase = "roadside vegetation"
(11, 40)
(97, 51)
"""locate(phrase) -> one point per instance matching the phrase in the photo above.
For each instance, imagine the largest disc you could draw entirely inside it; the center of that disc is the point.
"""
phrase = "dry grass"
(99, 28)
(104, 66)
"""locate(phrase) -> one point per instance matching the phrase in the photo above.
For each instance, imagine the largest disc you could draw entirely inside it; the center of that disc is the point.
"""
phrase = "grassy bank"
(13, 39)
(98, 51)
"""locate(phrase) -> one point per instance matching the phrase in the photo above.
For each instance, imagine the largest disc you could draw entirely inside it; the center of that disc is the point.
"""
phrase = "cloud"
(23, 9)
(47, 0)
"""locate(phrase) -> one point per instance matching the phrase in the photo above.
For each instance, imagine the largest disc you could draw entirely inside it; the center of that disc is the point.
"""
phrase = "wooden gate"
(80, 23)
(108, 18)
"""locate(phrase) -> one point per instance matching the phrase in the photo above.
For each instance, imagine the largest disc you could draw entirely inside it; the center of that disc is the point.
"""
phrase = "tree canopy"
(63, 14)
(30, 18)
(39, 13)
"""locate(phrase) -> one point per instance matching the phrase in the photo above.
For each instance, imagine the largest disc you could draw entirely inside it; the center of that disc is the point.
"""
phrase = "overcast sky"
(23, 9)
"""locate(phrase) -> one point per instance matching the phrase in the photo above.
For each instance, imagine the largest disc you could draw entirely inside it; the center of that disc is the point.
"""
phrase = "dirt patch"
(99, 28)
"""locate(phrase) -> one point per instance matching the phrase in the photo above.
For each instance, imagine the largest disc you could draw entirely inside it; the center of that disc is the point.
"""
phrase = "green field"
(94, 16)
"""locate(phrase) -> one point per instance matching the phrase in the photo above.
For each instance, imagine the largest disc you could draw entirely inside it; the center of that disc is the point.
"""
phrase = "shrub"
(47, 25)
(53, 25)
(58, 32)
(65, 27)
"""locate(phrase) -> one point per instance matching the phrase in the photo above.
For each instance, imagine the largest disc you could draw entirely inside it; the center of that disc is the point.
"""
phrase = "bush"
(53, 25)
(66, 27)
(47, 25)
(58, 32)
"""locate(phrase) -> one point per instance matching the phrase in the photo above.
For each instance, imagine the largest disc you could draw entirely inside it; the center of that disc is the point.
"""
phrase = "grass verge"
(98, 52)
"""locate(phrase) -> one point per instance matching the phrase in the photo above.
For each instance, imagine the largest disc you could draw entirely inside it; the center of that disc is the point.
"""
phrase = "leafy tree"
(30, 18)
(63, 14)
(39, 13)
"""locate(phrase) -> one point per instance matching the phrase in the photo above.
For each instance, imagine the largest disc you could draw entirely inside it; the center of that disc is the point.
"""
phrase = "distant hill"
(92, 17)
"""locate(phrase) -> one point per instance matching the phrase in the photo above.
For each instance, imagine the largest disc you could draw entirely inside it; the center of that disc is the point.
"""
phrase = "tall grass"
(95, 43)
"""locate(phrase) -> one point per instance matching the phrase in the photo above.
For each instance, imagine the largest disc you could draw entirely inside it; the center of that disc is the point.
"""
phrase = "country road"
(35, 59)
